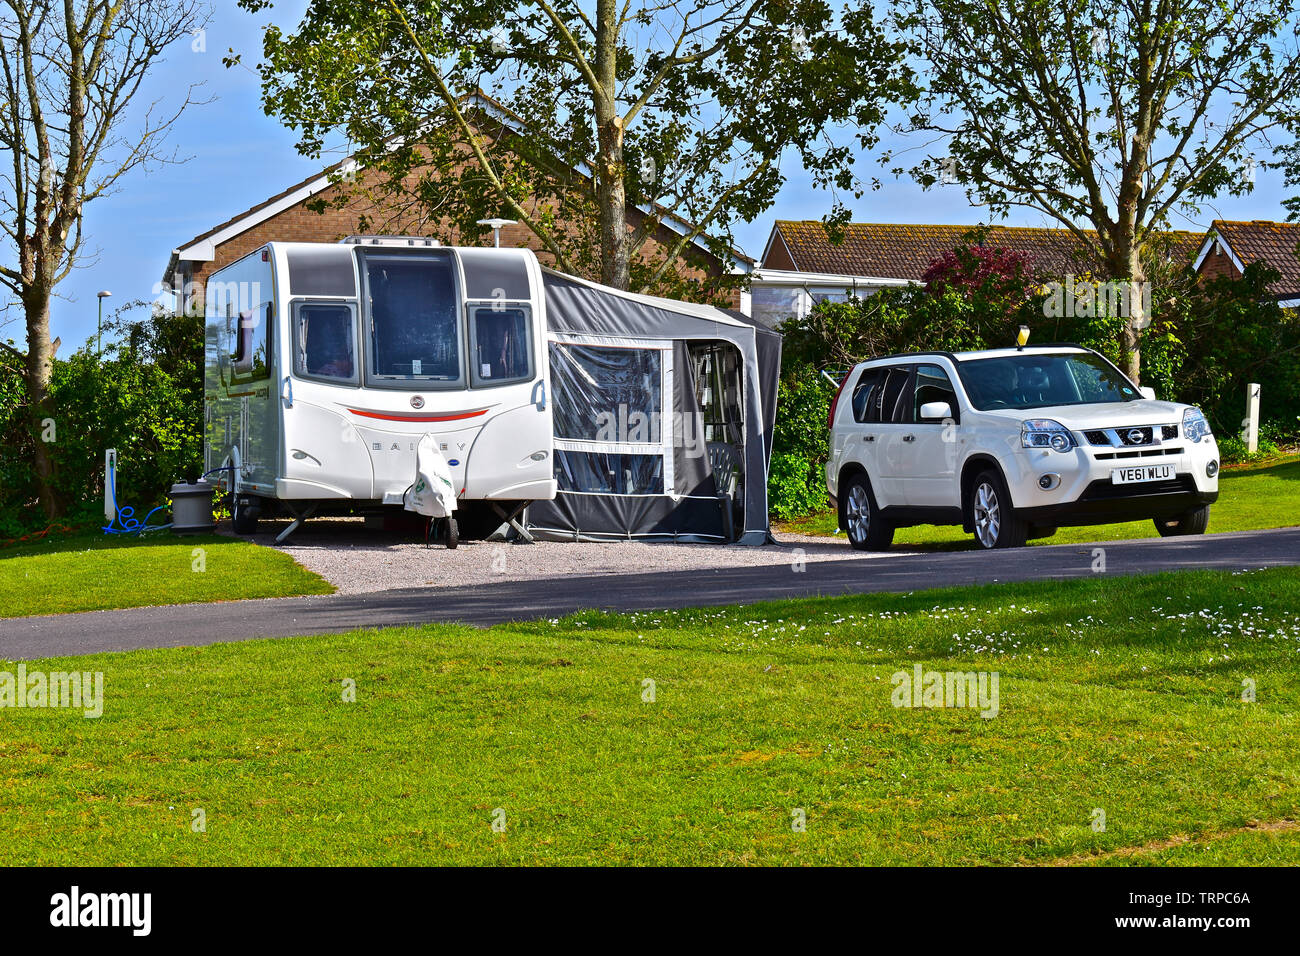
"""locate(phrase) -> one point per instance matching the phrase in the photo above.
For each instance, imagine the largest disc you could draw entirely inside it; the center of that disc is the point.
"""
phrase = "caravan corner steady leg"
(298, 519)
(509, 521)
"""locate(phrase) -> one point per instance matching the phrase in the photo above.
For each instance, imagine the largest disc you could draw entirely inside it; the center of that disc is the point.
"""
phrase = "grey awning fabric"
(575, 307)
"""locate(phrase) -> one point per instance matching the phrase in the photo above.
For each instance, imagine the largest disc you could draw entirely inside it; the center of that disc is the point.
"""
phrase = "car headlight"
(1195, 427)
(1045, 433)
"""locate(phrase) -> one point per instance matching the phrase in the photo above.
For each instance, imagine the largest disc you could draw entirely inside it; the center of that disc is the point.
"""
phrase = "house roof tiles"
(1273, 243)
(889, 250)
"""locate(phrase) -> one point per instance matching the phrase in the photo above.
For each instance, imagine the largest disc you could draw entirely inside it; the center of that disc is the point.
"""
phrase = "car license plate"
(1140, 473)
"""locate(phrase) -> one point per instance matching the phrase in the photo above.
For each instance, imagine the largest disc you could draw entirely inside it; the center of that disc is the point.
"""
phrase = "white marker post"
(110, 480)
(1252, 417)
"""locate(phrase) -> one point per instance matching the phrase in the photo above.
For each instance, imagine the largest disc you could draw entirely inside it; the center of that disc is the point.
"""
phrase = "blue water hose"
(124, 518)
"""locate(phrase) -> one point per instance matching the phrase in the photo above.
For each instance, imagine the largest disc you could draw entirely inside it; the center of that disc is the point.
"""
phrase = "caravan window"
(324, 341)
(501, 346)
(609, 473)
(610, 433)
(607, 394)
(412, 319)
(251, 356)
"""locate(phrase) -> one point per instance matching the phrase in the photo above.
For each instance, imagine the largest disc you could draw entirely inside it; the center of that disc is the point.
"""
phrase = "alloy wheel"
(857, 511)
(988, 515)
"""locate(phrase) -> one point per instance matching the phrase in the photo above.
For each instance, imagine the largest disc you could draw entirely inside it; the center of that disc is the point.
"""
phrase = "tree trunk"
(611, 192)
(611, 195)
(1126, 266)
(39, 361)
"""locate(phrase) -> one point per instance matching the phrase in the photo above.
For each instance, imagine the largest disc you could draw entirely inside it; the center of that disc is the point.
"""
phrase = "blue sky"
(240, 157)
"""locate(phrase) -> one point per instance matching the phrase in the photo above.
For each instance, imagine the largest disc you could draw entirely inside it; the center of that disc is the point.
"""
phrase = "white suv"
(1010, 444)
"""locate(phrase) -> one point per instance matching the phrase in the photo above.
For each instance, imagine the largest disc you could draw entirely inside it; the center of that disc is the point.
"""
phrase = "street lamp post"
(99, 327)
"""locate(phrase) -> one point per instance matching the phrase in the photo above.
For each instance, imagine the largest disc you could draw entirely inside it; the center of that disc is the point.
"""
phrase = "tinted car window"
(932, 385)
(893, 406)
(1036, 380)
(868, 384)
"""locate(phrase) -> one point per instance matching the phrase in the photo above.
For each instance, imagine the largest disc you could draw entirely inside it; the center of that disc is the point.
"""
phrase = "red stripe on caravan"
(418, 418)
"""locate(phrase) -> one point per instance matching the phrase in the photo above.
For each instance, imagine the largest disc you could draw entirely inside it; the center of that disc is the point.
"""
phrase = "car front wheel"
(1194, 522)
(867, 530)
(996, 524)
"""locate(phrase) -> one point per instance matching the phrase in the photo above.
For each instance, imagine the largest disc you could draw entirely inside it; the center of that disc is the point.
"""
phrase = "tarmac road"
(195, 624)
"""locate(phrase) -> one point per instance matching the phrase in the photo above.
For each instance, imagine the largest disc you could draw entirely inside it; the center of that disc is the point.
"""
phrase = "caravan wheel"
(451, 533)
(243, 514)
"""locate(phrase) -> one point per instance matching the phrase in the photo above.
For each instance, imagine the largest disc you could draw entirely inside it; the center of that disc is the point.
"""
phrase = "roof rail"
(1051, 345)
(390, 241)
(893, 355)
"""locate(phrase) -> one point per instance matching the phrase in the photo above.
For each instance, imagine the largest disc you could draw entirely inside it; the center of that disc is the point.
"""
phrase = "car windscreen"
(412, 320)
(1037, 380)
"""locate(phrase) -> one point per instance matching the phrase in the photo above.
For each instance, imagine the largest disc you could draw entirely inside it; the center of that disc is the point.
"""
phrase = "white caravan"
(326, 364)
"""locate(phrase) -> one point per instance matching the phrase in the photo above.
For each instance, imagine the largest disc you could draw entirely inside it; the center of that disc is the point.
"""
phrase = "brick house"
(800, 266)
(1230, 246)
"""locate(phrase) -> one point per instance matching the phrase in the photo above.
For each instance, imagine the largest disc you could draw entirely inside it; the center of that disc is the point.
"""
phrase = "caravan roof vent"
(391, 241)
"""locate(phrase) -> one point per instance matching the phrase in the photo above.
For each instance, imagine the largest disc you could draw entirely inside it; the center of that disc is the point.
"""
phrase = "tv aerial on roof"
(496, 225)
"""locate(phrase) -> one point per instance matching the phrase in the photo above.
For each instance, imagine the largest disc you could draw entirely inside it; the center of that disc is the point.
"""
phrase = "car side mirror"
(937, 411)
(1147, 392)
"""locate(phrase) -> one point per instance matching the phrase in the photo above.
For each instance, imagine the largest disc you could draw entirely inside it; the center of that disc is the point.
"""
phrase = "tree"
(70, 72)
(1002, 275)
(683, 110)
(973, 296)
(1113, 116)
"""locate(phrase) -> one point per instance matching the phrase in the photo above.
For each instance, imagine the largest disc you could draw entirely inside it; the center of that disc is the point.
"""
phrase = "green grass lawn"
(1122, 695)
(1251, 497)
(89, 572)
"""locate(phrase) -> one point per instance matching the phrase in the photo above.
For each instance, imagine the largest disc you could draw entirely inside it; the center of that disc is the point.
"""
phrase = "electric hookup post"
(110, 470)
(1252, 417)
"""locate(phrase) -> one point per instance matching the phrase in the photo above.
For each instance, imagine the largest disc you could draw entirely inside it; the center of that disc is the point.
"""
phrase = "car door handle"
(909, 438)
(868, 437)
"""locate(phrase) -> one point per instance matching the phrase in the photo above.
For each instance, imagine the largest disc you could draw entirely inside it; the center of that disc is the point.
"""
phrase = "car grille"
(1102, 489)
(1139, 453)
(1131, 436)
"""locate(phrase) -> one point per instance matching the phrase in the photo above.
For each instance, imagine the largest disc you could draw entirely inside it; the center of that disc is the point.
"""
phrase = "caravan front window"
(501, 346)
(412, 321)
(324, 345)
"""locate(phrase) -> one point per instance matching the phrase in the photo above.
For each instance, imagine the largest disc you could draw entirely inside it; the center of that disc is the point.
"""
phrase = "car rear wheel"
(1194, 522)
(996, 523)
(867, 530)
